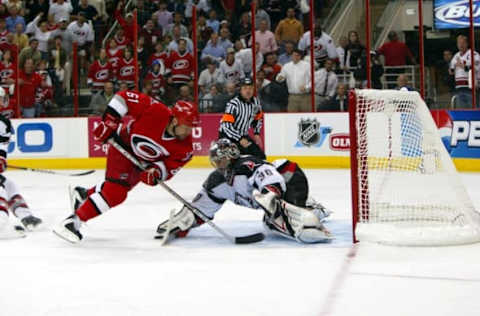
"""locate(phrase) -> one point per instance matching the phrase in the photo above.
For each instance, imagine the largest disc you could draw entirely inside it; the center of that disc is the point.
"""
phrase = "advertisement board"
(48, 138)
(453, 14)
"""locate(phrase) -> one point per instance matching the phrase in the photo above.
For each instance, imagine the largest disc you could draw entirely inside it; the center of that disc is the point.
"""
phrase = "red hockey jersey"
(180, 66)
(158, 82)
(114, 56)
(99, 74)
(163, 57)
(126, 71)
(146, 134)
(7, 71)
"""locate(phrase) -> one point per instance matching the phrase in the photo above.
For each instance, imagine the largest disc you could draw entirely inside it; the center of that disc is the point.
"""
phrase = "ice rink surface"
(119, 269)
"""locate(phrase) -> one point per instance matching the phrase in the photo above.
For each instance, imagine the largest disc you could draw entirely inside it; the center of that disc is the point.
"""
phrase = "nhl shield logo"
(311, 134)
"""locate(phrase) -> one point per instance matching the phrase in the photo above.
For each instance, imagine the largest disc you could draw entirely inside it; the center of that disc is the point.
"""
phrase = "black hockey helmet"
(222, 152)
(247, 81)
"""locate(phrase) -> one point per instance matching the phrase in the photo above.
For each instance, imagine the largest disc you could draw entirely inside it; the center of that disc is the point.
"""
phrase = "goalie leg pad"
(181, 222)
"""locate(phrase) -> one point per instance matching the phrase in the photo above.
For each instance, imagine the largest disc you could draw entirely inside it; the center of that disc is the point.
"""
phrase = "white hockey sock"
(22, 212)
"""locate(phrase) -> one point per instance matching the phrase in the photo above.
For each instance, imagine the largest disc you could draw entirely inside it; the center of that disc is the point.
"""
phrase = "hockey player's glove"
(3, 164)
(151, 176)
(105, 129)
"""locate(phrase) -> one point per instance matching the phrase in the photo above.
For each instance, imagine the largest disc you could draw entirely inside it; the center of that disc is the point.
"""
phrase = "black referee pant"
(253, 149)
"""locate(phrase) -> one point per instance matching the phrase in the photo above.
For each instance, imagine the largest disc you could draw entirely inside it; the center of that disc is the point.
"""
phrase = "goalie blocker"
(280, 189)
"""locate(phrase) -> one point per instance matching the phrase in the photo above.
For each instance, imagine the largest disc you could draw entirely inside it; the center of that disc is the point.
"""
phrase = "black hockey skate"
(31, 222)
(78, 195)
(69, 229)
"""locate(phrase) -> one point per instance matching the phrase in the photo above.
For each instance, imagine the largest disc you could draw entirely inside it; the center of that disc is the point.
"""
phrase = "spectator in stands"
(35, 7)
(224, 39)
(99, 101)
(66, 35)
(155, 76)
(207, 102)
(29, 81)
(286, 56)
(125, 23)
(262, 81)
(324, 47)
(3, 31)
(30, 52)
(208, 77)
(163, 16)
(90, 12)
(100, 72)
(122, 86)
(212, 21)
(44, 93)
(159, 54)
(41, 34)
(8, 71)
(14, 18)
(60, 9)
(444, 79)
(126, 69)
(203, 31)
(51, 24)
(231, 69)
(265, 38)
(261, 15)
(339, 102)
(396, 54)
(185, 94)
(213, 50)
(353, 51)
(144, 11)
(273, 95)
(151, 35)
(296, 74)
(460, 66)
(177, 23)
(289, 29)
(201, 5)
(376, 68)
(274, 9)
(20, 38)
(244, 56)
(325, 83)
(177, 37)
(342, 45)
(403, 83)
(180, 66)
(83, 34)
(243, 30)
(271, 67)
(58, 61)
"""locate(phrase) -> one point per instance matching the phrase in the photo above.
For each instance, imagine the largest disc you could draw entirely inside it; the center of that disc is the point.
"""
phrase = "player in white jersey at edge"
(10, 197)
(280, 189)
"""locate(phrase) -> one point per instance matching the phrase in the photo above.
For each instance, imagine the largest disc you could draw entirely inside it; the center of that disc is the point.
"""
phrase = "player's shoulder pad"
(246, 165)
(214, 180)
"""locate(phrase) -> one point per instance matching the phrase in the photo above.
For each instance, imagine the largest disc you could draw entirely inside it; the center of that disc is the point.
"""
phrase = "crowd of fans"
(37, 36)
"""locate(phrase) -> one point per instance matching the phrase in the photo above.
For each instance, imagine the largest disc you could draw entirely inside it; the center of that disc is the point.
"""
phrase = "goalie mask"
(222, 152)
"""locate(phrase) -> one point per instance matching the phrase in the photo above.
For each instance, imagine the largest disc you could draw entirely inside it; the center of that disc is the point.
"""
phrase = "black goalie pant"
(297, 184)
(253, 149)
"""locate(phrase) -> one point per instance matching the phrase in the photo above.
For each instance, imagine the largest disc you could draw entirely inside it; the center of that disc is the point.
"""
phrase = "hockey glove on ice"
(105, 129)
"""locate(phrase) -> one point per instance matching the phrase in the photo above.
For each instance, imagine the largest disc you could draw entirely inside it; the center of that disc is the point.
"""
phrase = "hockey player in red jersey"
(100, 72)
(157, 136)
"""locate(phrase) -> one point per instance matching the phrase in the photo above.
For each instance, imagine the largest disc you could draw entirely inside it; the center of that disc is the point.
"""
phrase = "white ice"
(119, 269)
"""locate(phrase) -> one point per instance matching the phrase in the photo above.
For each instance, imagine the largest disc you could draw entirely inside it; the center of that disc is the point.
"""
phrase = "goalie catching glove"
(182, 222)
(289, 220)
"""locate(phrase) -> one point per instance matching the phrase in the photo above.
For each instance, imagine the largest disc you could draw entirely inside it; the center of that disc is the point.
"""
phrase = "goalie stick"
(83, 173)
(236, 240)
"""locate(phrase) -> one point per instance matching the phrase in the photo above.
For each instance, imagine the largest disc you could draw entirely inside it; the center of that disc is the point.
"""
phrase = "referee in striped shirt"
(242, 112)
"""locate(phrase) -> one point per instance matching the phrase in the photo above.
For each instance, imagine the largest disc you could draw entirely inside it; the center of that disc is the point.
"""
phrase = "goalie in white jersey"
(10, 197)
(280, 189)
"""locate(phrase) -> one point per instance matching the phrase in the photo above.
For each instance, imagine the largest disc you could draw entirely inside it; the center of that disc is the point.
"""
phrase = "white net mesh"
(409, 190)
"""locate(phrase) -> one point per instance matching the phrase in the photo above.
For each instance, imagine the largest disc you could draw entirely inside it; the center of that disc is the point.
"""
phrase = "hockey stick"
(236, 240)
(84, 173)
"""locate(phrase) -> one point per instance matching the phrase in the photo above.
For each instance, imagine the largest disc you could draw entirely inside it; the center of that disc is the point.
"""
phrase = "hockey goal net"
(405, 188)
